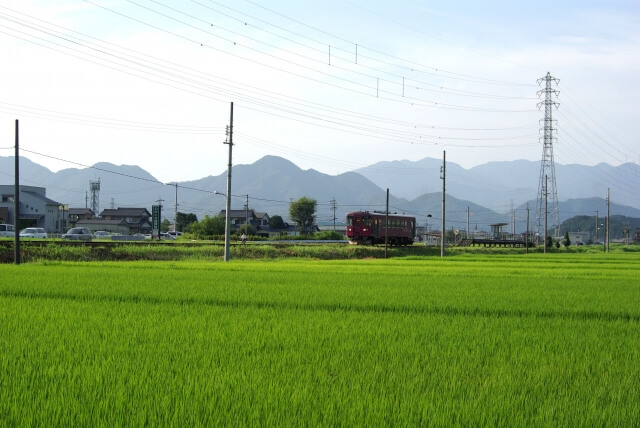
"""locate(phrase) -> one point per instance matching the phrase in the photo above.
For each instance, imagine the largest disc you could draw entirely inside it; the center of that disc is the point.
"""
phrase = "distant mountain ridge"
(498, 184)
(476, 196)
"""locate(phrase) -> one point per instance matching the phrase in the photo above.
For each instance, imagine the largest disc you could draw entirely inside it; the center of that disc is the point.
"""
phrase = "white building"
(35, 210)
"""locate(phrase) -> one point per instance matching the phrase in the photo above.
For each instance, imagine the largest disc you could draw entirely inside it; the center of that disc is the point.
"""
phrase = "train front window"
(349, 221)
(366, 221)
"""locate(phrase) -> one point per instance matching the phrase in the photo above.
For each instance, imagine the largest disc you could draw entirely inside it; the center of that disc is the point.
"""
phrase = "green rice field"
(501, 340)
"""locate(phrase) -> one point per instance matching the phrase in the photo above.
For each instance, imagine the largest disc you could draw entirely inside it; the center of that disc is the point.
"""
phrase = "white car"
(78, 234)
(33, 232)
(6, 231)
(101, 234)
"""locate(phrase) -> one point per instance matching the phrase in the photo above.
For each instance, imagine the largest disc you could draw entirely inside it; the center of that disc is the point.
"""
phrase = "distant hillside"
(498, 184)
(271, 183)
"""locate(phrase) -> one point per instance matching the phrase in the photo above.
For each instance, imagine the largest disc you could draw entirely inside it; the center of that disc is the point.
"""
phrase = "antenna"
(94, 188)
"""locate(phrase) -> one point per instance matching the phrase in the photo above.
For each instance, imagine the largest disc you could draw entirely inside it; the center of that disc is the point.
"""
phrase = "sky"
(333, 85)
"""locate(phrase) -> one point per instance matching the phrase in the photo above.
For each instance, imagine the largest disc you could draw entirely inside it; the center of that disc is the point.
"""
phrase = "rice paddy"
(508, 340)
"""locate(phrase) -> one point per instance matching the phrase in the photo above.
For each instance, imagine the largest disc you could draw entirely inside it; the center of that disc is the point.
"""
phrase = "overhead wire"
(450, 74)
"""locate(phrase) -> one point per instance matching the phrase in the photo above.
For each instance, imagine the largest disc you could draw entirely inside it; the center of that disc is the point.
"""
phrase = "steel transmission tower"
(547, 168)
(94, 187)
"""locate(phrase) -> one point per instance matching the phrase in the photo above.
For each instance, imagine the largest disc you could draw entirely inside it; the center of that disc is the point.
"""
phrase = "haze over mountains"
(488, 193)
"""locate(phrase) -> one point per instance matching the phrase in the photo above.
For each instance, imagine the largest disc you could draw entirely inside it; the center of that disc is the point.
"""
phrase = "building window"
(7, 198)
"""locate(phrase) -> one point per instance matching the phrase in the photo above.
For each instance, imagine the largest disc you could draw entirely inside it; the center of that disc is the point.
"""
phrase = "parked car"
(101, 234)
(78, 233)
(167, 236)
(33, 232)
(6, 231)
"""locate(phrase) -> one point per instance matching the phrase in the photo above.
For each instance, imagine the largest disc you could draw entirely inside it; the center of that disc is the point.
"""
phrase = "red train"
(364, 227)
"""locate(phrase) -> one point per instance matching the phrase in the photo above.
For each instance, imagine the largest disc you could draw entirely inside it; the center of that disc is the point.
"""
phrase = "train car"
(364, 227)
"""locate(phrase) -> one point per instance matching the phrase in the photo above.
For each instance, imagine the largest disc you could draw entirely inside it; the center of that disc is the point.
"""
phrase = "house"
(35, 210)
(112, 226)
(239, 217)
(262, 220)
(76, 214)
(133, 220)
(578, 238)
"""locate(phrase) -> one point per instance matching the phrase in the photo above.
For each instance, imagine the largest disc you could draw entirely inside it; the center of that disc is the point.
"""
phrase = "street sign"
(155, 220)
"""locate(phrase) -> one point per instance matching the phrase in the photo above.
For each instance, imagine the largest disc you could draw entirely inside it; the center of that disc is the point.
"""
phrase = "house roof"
(125, 212)
(98, 221)
(41, 197)
(237, 213)
(260, 216)
(80, 211)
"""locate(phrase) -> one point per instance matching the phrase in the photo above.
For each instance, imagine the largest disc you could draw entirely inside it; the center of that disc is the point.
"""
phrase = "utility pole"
(227, 222)
(175, 218)
(16, 200)
(545, 213)
(596, 227)
(443, 176)
(608, 232)
(526, 236)
(547, 164)
(246, 216)
(386, 226)
(468, 223)
(333, 207)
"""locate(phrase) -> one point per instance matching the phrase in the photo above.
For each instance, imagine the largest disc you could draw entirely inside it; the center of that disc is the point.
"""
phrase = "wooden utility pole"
(227, 222)
(16, 201)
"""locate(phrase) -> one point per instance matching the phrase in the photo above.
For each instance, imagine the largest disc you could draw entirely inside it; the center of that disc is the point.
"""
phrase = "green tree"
(246, 228)
(208, 226)
(184, 220)
(276, 222)
(549, 242)
(303, 213)
(164, 226)
(566, 241)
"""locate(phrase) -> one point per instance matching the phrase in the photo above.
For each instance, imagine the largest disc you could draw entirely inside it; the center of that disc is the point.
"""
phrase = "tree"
(164, 226)
(247, 229)
(276, 222)
(184, 220)
(566, 241)
(549, 242)
(209, 226)
(303, 213)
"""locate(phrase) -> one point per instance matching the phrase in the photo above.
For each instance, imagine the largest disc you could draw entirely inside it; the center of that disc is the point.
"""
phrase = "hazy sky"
(332, 85)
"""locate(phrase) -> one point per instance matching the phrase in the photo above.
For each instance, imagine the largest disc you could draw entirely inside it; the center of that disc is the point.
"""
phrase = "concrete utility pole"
(16, 201)
(175, 219)
(227, 222)
(246, 216)
(468, 215)
(526, 237)
(333, 207)
(386, 226)
(443, 176)
(546, 211)
(607, 230)
(596, 227)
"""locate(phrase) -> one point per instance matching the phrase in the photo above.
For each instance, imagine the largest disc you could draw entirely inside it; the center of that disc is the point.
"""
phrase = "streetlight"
(227, 226)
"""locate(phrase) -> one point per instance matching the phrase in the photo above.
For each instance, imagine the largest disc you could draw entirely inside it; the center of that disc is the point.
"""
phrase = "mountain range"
(482, 195)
